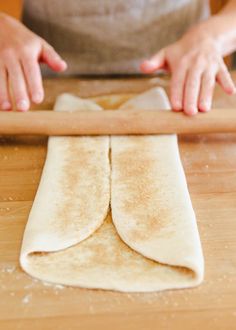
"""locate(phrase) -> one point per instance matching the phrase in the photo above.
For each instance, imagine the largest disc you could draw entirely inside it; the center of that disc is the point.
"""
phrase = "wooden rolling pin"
(120, 122)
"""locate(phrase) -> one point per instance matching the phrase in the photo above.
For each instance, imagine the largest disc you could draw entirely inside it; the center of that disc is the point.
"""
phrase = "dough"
(158, 246)
(74, 192)
(151, 206)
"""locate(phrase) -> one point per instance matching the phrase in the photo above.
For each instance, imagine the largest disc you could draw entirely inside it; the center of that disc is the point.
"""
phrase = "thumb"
(154, 63)
(50, 57)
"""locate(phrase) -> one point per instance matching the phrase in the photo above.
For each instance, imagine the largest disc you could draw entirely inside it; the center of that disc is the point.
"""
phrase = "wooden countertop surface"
(210, 167)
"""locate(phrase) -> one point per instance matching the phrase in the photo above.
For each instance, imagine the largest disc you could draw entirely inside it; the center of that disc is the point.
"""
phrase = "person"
(115, 37)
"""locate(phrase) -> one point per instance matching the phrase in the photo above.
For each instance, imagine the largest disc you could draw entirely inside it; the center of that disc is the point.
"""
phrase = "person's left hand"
(196, 63)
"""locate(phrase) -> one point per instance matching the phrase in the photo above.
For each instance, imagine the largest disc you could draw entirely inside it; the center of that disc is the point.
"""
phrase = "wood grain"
(116, 122)
(210, 167)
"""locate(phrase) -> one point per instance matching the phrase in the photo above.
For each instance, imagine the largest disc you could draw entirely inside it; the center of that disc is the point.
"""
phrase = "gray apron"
(110, 36)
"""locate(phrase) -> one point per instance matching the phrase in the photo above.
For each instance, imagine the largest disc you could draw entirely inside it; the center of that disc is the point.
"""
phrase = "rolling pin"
(118, 122)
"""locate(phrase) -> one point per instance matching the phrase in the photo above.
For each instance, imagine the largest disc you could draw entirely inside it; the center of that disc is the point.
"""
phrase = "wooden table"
(210, 167)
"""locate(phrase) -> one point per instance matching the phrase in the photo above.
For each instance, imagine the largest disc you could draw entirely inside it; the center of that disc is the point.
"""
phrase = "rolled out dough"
(74, 193)
(154, 244)
(151, 206)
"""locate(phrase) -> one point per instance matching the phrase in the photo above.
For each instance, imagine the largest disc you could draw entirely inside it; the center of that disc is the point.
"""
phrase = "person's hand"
(196, 63)
(20, 53)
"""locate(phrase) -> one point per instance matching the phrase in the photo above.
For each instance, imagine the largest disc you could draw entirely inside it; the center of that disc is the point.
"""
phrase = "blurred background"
(13, 8)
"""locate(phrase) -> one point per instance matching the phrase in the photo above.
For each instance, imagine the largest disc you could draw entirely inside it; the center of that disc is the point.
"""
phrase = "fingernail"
(151, 63)
(192, 111)
(6, 105)
(64, 64)
(23, 105)
(205, 106)
(232, 91)
(37, 98)
(177, 106)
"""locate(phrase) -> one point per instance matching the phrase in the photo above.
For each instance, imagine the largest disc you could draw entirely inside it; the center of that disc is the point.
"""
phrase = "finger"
(50, 57)
(191, 92)
(154, 63)
(5, 103)
(207, 89)
(17, 82)
(177, 88)
(225, 81)
(33, 78)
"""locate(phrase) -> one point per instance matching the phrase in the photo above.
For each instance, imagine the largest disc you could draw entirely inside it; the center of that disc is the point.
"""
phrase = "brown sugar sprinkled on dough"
(135, 167)
(103, 250)
(81, 182)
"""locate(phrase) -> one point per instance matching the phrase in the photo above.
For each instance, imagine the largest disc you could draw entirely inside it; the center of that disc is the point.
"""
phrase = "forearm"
(221, 27)
(3, 15)
(5, 18)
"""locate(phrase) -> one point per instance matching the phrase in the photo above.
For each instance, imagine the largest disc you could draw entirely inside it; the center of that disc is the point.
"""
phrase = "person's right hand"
(20, 53)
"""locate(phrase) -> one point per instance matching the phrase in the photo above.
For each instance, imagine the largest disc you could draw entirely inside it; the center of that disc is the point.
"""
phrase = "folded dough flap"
(151, 206)
(153, 99)
(69, 102)
(73, 195)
